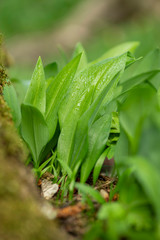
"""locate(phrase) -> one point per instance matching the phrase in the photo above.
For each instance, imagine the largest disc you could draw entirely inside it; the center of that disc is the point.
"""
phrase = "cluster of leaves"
(70, 111)
(136, 214)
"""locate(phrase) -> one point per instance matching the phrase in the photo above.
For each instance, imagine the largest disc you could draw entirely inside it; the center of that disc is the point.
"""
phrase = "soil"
(76, 217)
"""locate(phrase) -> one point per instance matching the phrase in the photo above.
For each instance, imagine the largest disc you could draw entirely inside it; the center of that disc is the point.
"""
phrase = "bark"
(21, 216)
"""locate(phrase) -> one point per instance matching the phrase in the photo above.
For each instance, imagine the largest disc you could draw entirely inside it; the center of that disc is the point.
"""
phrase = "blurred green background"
(38, 27)
(28, 16)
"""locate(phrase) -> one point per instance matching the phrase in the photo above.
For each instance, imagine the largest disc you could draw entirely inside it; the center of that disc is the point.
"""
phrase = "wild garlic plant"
(72, 113)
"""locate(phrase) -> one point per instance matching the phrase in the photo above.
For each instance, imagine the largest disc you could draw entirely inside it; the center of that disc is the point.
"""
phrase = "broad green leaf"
(99, 75)
(144, 67)
(83, 62)
(116, 68)
(21, 87)
(110, 105)
(155, 81)
(57, 91)
(134, 110)
(49, 82)
(118, 50)
(135, 81)
(34, 131)
(112, 95)
(66, 138)
(10, 97)
(50, 145)
(51, 70)
(63, 59)
(149, 63)
(147, 70)
(86, 120)
(36, 93)
(150, 138)
(97, 137)
(88, 190)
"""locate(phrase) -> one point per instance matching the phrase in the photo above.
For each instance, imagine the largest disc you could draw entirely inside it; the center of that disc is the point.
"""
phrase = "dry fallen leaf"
(70, 210)
(49, 189)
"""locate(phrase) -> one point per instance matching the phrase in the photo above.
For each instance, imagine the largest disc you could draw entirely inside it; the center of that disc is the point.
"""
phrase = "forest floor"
(76, 216)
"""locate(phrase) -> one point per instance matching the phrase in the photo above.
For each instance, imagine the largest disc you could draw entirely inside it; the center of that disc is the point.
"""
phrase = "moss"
(3, 77)
(5, 111)
(20, 204)
(20, 211)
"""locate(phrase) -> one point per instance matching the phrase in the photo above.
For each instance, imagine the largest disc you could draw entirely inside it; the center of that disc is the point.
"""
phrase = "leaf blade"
(34, 130)
(57, 91)
(10, 97)
(36, 93)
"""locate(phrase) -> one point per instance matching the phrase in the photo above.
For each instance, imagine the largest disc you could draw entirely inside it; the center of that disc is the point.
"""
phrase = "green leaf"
(83, 62)
(145, 69)
(118, 50)
(57, 91)
(88, 190)
(34, 131)
(149, 63)
(10, 97)
(51, 70)
(97, 137)
(154, 81)
(116, 68)
(50, 145)
(135, 81)
(63, 59)
(86, 120)
(36, 93)
(66, 138)
(21, 87)
(138, 106)
(150, 138)
(98, 75)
